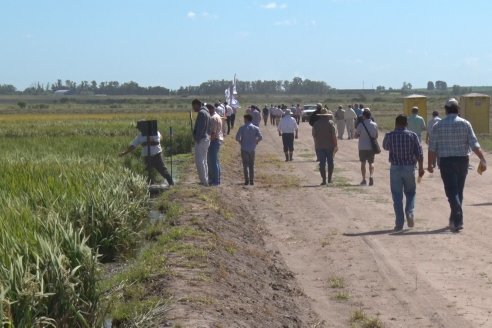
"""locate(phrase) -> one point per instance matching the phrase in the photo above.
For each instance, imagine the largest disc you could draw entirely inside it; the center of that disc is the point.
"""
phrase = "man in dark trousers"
(154, 159)
(451, 139)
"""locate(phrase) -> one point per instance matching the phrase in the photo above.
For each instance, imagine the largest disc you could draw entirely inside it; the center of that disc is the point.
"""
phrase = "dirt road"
(339, 243)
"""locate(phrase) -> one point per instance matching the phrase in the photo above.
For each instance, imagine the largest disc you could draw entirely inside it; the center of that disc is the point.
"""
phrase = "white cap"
(452, 102)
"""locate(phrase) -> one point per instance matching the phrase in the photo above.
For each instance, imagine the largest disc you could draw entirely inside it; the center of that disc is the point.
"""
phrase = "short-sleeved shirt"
(433, 121)
(287, 125)
(453, 136)
(416, 124)
(403, 146)
(155, 144)
(216, 127)
(364, 138)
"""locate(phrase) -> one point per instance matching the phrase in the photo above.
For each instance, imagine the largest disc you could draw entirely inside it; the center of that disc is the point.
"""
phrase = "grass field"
(68, 202)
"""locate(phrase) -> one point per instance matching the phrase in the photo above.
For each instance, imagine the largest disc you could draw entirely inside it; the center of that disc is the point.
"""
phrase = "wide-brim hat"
(325, 112)
(288, 112)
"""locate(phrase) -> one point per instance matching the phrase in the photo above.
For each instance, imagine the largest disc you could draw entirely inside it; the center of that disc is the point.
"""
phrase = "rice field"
(68, 203)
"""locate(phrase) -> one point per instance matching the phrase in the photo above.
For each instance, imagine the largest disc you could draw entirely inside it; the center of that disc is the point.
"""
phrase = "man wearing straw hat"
(340, 118)
(288, 130)
(325, 144)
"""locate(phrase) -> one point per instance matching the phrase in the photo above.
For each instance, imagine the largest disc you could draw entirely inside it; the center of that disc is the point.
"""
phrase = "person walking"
(366, 130)
(314, 116)
(154, 159)
(350, 117)
(340, 118)
(228, 116)
(233, 115)
(248, 137)
(266, 113)
(325, 144)
(201, 136)
(298, 113)
(405, 152)
(255, 113)
(452, 139)
(272, 115)
(430, 125)
(216, 140)
(416, 123)
(288, 130)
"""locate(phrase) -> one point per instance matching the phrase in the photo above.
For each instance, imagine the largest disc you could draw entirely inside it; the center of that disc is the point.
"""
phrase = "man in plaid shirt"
(404, 152)
(451, 140)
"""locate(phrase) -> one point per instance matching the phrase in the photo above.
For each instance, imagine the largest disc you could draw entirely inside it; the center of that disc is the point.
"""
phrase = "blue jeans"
(453, 174)
(402, 179)
(213, 163)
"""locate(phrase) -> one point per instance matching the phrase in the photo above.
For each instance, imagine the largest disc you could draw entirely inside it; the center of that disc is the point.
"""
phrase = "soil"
(294, 238)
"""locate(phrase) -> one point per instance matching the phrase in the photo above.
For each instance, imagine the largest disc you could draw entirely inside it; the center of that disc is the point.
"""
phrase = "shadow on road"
(482, 204)
(405, 232)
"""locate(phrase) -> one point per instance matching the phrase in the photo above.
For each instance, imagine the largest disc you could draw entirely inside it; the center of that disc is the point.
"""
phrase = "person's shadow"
(404, 232)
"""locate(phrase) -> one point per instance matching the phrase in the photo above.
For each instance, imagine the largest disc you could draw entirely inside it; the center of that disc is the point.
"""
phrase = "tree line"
(211, 87)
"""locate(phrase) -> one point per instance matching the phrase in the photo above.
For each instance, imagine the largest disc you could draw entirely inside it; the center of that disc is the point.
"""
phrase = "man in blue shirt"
(451, 139)
(248, 136)
(404, 151)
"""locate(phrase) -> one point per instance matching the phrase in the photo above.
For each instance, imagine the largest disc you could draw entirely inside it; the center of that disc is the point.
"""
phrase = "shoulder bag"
(374, 142)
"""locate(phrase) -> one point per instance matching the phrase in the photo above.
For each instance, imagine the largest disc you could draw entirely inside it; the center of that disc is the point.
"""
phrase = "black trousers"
(156, 162)
(229, 123)
(233, 119)
(288, 141)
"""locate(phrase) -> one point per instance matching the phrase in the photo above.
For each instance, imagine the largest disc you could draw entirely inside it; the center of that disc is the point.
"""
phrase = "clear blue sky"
(185, 42)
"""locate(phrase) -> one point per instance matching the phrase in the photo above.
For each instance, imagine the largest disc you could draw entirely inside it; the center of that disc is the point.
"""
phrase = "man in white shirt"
(350, 117)
(154, 159)
(432, 122)
(416, 123)
(288, 130)
(228, 114)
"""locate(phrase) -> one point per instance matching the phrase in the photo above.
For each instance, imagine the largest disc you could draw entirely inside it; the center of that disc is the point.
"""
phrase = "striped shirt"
(403, 146)
(453, 136)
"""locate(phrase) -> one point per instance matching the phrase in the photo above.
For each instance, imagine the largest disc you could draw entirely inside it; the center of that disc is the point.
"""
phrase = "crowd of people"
(450, 140)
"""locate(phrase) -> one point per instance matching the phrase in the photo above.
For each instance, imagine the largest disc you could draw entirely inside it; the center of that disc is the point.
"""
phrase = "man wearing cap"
(340, 118)
(451, 139)
(325, 144)
(201, 136)
(350, 117)
(404, 152)
(288, 129)
(154, 159)
(366, 130)
(216, 139)
(416, 123)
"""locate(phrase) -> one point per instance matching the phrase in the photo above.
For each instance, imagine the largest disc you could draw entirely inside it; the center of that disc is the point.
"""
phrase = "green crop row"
(67, 202)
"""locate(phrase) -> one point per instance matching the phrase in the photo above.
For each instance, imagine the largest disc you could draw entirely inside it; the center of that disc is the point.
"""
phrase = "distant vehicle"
(308, 111)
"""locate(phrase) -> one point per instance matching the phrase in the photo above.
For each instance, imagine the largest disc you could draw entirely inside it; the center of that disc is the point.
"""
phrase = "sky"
(347, 43)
